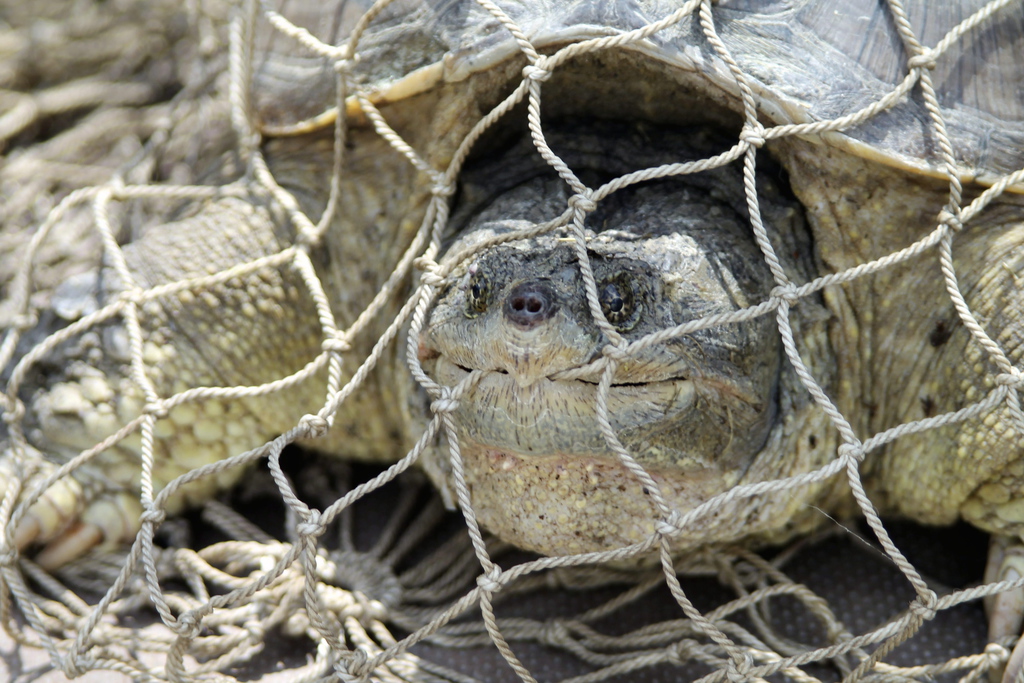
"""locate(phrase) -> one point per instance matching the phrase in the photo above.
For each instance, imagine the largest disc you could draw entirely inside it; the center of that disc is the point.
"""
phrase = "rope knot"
(441, 188)
(951, 218)
(425, 264)
(72, 667)
(309, 238)
(924, 605)
(853, 450)
(431, 271)
(925, 60)
(671, 526)
(489, 581)
(788, 293)
(682, 653)
(353, 669)
(738, 670)
(996, 654)
(536, 73)
(583, 203)
(336, 344)
(187, 625)
(314, 426)
(753, 134)
(157, 409)
(154, 516)
(446, 402)
(554, 633)
(615, 353)
(311, 526)
(257, 633)
(12, 410)
(117, 187)
(1014, 378)
(248, 141)
(343, 65)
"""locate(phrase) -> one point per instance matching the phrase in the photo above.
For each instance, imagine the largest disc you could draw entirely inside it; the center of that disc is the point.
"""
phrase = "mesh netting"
(219, 602)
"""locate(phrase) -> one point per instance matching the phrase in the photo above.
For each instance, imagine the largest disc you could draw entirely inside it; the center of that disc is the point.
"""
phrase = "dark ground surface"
(862, 586)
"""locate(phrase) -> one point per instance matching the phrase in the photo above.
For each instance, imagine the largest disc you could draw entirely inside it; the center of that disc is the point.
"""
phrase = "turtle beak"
(527, 369)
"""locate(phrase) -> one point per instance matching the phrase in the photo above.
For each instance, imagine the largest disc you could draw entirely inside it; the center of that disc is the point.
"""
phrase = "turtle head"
(664, 257)
(697, 410)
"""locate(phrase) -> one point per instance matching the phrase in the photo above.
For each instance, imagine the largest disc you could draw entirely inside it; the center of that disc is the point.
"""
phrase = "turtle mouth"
(552, 416)
(436, 361)
(444, 366)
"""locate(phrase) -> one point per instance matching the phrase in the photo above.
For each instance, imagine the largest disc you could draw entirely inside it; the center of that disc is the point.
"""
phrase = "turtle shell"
(805, 62)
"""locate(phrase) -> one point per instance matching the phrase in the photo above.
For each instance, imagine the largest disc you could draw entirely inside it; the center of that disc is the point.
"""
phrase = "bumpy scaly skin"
(95, 395)
(903, 353)
(243, 332)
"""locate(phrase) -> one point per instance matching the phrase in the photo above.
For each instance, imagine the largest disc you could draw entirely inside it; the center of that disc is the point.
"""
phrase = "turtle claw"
(67, 520)
(1006, 610)
(69, 545)
(54, 509)
(108, 520)
(1014, 672)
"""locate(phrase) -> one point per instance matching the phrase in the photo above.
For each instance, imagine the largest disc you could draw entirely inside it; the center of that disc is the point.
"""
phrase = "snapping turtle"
(684, 309)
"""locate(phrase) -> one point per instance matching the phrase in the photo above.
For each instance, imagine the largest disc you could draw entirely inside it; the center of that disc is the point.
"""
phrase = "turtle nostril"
(530, 304)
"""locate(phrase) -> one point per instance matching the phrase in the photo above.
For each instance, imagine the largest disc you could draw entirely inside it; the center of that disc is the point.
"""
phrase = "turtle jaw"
(551, 416)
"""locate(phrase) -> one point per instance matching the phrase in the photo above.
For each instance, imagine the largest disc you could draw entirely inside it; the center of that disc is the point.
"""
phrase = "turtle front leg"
(99, 503)
(201, 337)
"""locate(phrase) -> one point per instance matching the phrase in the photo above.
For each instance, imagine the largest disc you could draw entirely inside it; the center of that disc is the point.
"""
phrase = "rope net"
(80, 180)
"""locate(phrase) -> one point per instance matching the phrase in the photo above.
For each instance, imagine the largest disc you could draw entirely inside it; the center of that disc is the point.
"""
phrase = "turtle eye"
(478, 291)
(618, 302)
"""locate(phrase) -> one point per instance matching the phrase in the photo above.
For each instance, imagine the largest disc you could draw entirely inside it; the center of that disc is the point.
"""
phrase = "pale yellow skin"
(923, 361)
(245, 332)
